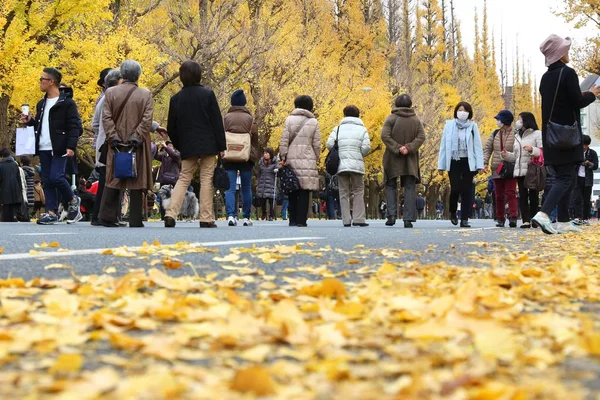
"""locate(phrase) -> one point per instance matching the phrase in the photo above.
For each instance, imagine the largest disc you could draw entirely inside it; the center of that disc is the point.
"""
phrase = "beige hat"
(555, 48)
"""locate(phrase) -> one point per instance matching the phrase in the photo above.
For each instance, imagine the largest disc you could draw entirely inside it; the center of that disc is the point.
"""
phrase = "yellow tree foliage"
(337, 51)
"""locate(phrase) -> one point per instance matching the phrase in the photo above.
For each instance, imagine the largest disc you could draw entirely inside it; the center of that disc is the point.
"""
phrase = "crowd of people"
(224, 151)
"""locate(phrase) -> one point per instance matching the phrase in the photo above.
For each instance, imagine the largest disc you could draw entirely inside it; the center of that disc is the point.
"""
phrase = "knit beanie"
(238, 98)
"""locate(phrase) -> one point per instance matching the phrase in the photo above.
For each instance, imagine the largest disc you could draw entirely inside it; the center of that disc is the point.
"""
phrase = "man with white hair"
(127, 122)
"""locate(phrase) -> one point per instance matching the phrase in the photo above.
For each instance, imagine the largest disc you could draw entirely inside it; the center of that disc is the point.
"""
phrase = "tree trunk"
(5, 134)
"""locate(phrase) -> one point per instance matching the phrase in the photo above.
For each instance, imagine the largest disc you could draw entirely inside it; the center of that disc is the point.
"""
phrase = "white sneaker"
(586, 222)
(577, 222)
(231, 221)
(567, 227)
(247, 222)
(543, 220)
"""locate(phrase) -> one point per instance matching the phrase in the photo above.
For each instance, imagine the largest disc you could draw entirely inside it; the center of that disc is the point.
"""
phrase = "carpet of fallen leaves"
(505, 329)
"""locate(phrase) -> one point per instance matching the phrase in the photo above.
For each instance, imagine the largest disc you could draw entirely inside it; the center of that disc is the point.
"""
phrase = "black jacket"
(10, 182)
(569, 102)
(64, 121)
(195, 123)
(592, 157)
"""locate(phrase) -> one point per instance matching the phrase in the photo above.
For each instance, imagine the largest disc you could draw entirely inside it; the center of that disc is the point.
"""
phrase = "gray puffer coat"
(265, 186)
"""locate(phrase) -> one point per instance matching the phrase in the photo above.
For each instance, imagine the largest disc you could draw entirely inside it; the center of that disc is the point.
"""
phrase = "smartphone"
(25, 109)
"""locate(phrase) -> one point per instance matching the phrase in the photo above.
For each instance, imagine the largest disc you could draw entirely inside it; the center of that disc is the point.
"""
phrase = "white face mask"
(499, 123)
(462, 115)
(519, 124)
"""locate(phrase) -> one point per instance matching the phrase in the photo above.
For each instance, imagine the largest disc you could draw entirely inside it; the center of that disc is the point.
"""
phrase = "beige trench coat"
(303, 154)
(135, 118)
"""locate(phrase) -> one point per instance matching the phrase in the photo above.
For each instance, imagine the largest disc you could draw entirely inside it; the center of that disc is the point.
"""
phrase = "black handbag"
(220, 177)
(505, 169)
(287, 177)
(332, 161)
(288, 180)
(563, 137)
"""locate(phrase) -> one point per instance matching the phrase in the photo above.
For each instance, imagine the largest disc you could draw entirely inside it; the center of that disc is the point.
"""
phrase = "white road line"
(86, 252)
(44, 234)
(467, 230)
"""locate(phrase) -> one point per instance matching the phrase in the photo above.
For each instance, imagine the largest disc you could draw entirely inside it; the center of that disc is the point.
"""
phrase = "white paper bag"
(25, 142)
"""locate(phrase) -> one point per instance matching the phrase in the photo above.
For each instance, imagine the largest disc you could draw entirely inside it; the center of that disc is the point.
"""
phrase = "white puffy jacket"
(353, 144)
(520, 157)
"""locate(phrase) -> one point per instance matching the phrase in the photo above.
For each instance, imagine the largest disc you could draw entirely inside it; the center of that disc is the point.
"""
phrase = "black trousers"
(565, 177)
(583, 199)
(101, 184)
(111, 207)
(461, 185)
(268, 210)
(528, 200)
(298, 208)
(9, 212)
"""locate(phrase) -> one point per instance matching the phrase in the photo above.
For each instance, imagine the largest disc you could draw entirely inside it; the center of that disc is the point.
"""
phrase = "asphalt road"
(331, 244)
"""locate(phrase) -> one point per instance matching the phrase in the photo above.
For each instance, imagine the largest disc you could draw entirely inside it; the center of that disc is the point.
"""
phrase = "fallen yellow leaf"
(67, 363)
(255, 380)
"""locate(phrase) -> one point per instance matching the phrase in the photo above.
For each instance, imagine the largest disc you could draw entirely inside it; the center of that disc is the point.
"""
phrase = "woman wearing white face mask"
(461, 155)
(500, 143)
(528, 144)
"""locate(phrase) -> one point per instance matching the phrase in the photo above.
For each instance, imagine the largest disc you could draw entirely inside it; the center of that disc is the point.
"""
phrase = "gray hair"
(112, 78)
(131, 70)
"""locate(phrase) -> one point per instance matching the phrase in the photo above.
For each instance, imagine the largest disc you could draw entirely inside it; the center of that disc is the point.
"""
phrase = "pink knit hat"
(555, 48)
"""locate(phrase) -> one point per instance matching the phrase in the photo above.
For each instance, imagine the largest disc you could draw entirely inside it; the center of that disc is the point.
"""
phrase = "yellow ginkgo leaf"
(255, 380)
(67, 363)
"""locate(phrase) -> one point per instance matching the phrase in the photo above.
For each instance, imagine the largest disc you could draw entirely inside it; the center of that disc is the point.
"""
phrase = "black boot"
(465, 224)
(391, 221)
(408, 224)
(453, 219)
(500, 223)
(512, 223)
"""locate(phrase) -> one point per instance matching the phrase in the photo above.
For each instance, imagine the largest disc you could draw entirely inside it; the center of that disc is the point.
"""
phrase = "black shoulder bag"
(563, 137)
(288, 181)
(332, 161)
(220, 177)
(505, 169)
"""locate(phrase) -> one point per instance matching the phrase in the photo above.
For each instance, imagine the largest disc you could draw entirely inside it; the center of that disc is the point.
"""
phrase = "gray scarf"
(458, 124)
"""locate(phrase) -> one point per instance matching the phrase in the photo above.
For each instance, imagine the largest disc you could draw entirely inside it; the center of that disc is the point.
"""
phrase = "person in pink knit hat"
(562, 101)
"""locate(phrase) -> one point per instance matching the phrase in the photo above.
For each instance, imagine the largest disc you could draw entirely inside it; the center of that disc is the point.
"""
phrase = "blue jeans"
(56, 185)
(246, 189)
(333, 203)
(284, 208)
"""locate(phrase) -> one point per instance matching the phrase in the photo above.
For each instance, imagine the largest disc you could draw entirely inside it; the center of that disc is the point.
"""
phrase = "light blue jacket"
(474, 147)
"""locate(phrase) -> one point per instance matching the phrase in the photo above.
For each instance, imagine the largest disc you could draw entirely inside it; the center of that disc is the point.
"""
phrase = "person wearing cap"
(562, 101)
(498, 147)
(239, 120)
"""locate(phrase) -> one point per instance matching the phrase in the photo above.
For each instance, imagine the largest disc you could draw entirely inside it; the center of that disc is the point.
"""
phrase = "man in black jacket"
(57, 129)
(562, 101)
(585, 181)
